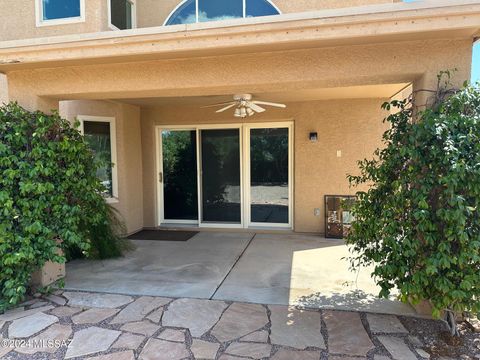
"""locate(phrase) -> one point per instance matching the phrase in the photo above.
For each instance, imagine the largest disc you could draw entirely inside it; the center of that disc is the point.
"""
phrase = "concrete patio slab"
(304, 270)
(193, 268)
(264, 268)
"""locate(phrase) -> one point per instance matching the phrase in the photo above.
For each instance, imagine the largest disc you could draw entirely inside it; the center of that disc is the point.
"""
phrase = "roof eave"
(375, 23)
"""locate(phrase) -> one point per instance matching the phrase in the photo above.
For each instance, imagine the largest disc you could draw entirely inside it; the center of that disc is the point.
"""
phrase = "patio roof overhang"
(349, 26)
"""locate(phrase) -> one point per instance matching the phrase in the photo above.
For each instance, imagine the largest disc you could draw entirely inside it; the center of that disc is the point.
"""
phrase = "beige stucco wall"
(18, 17)
(286, 71)
(3, 89)
(155, 13)
(129, 153)
(18, 20)
(267, 72)
(352, 126)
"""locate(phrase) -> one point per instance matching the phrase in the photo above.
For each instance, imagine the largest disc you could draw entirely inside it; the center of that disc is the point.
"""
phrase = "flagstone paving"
(117, 327)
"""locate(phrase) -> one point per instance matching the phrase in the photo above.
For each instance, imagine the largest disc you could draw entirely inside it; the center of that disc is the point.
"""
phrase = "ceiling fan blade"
(219, 104)
(226, 108)
(255, 107)
(270, 104)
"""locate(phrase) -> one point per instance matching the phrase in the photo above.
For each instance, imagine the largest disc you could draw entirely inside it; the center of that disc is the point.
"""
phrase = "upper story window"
(122, 14)
(56, 12)
(193, 11)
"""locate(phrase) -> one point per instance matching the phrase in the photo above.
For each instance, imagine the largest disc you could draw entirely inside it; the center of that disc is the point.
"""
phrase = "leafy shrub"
(419, 222)
(50, 198)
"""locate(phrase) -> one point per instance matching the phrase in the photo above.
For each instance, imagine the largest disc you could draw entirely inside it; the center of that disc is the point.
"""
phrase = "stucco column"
(460, 72)
(27, 98)
(31, 101)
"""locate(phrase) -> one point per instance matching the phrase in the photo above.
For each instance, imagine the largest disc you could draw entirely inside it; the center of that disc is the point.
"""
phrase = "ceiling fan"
(245, 105)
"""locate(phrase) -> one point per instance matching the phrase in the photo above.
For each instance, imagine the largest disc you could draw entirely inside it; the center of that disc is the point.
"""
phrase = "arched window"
(192, 11)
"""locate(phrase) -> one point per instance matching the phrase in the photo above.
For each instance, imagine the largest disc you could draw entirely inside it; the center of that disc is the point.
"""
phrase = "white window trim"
(71, 20)
(196, 10)
(134, 15)
(113, 149)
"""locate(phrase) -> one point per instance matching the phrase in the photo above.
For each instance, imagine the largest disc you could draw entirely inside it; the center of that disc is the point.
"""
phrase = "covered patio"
(266, 268)
(332, 69)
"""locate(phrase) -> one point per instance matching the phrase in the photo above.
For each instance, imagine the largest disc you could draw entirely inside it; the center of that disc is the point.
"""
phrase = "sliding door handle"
(160, 177)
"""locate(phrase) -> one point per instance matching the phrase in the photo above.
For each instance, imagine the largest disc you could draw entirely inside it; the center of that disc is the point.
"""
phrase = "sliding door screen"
(221, 195)
(179, 151)
(269, 174)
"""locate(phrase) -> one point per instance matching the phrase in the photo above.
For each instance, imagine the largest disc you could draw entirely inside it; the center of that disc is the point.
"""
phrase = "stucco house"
(141, 75)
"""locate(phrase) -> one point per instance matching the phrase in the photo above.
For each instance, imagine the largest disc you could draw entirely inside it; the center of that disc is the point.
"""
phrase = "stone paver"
(380, 357)
(155, 316)
(346, 334)
(254, 351)
(397, 348)
(20, 313)
(156, 349)
(388, 324)
(257, 336)
(141, 327)
(204, 350)
(128, 341)
(172, 335)
(423, 354)
(296, 328)
(56, 299)
(93, 316)
(39, 304)
(138, 309)
(57, 332)
(240, 320)
(196, 315)
(90, 341)
(65, 311)
(29, 325)
(219, 331)
(296, 355)
(96, 300)
(122, 355)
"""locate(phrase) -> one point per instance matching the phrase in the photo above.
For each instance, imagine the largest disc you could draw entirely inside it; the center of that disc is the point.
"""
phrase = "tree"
(419, 222)
(50, 198)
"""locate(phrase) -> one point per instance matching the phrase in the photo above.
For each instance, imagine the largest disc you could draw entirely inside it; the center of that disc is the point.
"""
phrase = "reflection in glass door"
(179, 176)
(220, 176)
(269, 176)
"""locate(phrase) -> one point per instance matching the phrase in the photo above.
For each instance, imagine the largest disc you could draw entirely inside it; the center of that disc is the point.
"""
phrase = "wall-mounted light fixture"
(313, 137)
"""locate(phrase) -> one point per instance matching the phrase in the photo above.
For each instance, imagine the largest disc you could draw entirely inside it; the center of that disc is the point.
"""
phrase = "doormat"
(163, 235)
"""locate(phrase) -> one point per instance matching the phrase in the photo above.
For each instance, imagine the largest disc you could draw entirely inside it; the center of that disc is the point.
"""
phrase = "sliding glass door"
(178, 176)
(220, 176)
(227, 176)
(269, 191)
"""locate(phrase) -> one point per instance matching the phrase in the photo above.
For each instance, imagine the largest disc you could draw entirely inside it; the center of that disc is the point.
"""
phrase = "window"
(55, 12)
(193, 11)
(122, 14)
(99, 132)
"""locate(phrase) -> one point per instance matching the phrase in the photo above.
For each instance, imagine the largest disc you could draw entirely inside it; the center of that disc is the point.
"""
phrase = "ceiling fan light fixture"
(243, 112)
(245, 106)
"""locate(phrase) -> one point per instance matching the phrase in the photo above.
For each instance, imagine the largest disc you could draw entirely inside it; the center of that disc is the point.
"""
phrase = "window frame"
(113, 149)
(196, 11)
(40, 22)
(134, 15)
